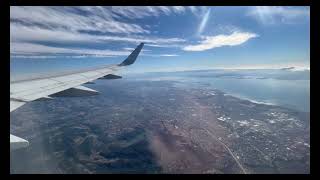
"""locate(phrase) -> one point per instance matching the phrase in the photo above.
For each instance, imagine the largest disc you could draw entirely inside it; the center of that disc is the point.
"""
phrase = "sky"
(176, 38)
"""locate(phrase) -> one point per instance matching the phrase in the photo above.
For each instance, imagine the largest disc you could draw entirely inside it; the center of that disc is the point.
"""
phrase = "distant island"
(288, 68)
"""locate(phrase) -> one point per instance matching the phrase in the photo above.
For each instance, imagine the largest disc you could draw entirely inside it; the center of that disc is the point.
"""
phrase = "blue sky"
(176, 38)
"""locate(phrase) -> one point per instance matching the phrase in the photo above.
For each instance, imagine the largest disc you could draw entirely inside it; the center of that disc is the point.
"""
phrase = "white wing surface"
(67, 84)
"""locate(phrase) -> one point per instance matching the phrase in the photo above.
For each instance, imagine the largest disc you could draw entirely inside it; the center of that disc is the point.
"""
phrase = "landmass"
(159, 127)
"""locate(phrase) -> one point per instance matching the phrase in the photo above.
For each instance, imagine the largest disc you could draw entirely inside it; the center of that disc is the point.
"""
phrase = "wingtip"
(133, 56)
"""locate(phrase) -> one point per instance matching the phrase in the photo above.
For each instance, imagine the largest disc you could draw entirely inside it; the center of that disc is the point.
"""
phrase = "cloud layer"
(43, 31)
(22, 33)
(211, 42)
(82, 18)
(269, 15)
(31, 27)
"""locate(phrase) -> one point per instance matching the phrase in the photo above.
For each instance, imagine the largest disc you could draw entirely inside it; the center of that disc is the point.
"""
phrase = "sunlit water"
(294, 94)
(287, 93)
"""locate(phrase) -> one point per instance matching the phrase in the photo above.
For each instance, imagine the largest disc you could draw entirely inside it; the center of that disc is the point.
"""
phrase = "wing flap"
(76, 92)
(15, 104)
(111, 76)
(17, 142)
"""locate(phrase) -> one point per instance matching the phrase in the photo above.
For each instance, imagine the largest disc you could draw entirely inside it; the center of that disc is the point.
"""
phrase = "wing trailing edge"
(111, 76)
(17, 142)
(78, 91)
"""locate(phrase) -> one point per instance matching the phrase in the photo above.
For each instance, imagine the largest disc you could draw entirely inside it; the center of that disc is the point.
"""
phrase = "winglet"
(133, 56)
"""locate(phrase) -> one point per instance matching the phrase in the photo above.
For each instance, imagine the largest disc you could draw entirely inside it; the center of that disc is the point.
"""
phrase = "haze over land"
(163, 123)
(214, 90)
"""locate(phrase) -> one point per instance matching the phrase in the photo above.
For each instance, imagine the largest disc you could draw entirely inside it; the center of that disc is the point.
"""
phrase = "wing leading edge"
(25, 91)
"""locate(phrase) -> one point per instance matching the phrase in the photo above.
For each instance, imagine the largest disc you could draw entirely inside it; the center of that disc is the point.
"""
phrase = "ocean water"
(269, 88)
(293, 94)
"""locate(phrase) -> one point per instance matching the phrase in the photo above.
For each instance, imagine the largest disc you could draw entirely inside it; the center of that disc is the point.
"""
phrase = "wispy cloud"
(169, 55)
(21, 33)
(204, 21)
(198, 10)
(211, 42)
(269, 15)
(101, 19)
(131, 49)
(35, 26)
(30, 50)
(58, 56)
(168, 45)
(34, 30)
(37, 49)
(136, 12)
(73, 19)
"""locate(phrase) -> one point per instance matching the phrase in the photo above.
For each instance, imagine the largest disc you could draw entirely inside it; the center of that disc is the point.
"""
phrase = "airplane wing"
(67, 84)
